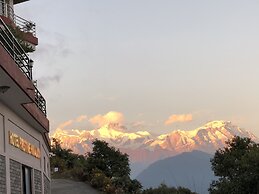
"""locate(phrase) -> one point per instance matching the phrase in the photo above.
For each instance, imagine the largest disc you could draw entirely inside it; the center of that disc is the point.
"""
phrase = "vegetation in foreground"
(105, 168)
(237, 166)
(164, 189)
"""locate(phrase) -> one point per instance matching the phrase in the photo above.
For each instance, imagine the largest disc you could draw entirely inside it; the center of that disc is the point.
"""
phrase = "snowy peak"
(209, 137)
(114, 134)
(142, 146)
(216, 124)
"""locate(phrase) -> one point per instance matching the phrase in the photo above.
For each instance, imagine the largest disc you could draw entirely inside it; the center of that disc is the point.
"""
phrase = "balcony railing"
(22, 60)
(40, 101)
(24, 25)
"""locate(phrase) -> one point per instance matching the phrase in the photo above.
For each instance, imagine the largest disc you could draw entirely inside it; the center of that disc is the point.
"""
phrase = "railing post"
(30, 65)
(5, 8)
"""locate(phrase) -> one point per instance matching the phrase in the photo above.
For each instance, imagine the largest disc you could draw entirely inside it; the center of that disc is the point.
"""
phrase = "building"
(24, 127)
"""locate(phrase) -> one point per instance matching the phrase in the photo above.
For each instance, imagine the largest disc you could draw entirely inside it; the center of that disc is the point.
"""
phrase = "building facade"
(24, 127)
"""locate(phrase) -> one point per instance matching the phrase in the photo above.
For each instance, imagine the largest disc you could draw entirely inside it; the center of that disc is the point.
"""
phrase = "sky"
(155, 65)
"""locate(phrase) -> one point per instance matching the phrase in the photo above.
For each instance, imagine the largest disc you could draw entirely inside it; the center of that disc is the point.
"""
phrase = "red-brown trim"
(7, 21)
(10, 67)
(36, 113)
(28, 36)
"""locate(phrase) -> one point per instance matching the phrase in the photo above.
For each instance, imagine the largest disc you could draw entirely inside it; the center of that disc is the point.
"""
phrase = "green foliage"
(237, 166)
(107, 163)
(163, 189)
(19, 35)
(109, 160)
(68, 163)
(99, 179)
(105, 168)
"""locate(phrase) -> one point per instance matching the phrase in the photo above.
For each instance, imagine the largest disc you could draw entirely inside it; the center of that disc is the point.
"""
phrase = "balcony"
(21, 59)
(23, 25)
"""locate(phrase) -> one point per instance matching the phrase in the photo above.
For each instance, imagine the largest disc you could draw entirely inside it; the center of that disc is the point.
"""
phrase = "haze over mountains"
(189, 169)
(145, 148)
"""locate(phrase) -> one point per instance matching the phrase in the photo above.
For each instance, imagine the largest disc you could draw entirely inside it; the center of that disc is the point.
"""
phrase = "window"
(27, 180)
(44, 163)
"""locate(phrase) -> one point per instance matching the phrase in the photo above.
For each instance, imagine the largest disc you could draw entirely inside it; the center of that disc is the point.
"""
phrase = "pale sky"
(148, 60)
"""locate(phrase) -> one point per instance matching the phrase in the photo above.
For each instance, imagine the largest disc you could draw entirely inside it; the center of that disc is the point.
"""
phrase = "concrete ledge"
(36, 113)
(26, 85)
(10, 67)
(30, 38)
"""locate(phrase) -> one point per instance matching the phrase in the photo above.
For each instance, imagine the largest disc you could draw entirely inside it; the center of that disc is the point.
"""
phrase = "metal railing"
(22, 60)
(15, 50)
(40, 101)
(24, 25)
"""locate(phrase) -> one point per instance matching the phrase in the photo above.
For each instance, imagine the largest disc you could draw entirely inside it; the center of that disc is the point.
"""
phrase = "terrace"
(19, 56)
(23, 25)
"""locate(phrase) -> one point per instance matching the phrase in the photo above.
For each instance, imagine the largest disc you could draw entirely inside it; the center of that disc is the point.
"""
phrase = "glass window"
(26, 179)
(44, 164)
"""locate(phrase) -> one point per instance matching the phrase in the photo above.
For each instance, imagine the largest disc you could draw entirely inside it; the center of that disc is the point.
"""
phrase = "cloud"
(65, 124)
(138, 124)
(57, 46)
(45, 81)
(79, 119)
(109, 118)
(178, 118)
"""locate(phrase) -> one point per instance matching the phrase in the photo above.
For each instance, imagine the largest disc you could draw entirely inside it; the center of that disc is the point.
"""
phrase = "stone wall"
(46, 185)
(2, 175)
(37, 182)
(15, 176)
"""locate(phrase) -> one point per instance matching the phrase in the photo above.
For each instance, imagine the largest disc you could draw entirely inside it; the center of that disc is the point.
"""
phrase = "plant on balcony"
(29, 26)
(19, 35)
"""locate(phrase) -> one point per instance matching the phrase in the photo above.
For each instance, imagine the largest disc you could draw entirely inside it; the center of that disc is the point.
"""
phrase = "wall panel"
(1, 133)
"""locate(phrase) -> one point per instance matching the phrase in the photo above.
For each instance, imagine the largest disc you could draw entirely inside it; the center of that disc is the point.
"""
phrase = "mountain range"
(144, 148)
(189, 169)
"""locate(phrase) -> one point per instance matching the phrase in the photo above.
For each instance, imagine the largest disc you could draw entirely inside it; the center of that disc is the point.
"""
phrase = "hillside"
(190, 169)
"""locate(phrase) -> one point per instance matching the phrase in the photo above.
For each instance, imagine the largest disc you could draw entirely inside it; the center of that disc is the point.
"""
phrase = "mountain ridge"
(145, 147)
(188, 169)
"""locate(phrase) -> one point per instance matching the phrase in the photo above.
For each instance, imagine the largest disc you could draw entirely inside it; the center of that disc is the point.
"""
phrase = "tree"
(163, 189)
(237, 166)
(68, 163)
(109, 170)
(109, 160)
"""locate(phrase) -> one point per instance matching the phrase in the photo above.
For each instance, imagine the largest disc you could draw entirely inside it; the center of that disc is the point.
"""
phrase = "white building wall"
(10, 122)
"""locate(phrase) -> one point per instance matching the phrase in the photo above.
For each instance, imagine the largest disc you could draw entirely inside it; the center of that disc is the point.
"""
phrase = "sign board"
(23, 145)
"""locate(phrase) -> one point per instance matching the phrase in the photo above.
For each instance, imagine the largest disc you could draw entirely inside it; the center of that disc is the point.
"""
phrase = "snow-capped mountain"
(144, 147)
(208, 138)
(80, 141)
